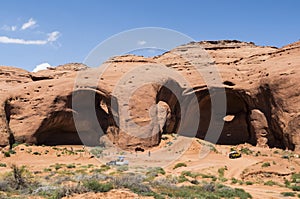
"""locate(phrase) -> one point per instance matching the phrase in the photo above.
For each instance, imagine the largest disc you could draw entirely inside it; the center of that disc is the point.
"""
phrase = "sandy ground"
(194, 153)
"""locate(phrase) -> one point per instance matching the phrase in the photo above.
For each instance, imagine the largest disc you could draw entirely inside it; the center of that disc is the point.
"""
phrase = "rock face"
(135, 102)
(260, 125)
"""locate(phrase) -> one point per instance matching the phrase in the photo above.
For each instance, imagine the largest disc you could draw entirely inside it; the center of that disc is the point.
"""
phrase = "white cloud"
(141, 43)
(9, 28)
(8, 40)
(51, 38)
(43, 66)
(30, 23)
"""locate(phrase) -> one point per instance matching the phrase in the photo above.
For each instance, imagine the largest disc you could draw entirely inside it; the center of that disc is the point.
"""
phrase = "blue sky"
(33, 32)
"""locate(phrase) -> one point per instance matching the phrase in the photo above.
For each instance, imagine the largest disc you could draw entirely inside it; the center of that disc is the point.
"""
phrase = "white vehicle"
(119, 162)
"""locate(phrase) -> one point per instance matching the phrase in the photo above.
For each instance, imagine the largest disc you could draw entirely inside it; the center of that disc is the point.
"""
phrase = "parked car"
(234, 155)
(111, 163)
(119, 162)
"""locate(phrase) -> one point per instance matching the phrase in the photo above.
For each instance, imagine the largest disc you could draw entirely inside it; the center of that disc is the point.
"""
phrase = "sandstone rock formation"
(260, 126)
(261, 86)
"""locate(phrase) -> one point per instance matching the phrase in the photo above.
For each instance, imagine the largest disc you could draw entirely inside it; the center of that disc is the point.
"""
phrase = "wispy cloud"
(141, 43)
(8, 40)
(53, 36)
(42, 66)
(30, 23)
(9, 28)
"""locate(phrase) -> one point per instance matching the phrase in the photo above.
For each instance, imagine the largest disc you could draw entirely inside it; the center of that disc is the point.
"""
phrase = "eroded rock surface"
(261, 86)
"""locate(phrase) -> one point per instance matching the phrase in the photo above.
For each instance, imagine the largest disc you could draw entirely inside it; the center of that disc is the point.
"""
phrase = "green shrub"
(270, 183)
(221, 172)
(94, 185)
(237, 192)
(287, 183)
(6, 154)
(182, 178)
(234, 181)
(160, 170)
(122, 168)
(134, 183)
(214, 178)
(285, 157)
(90, 165)
(154, 172)
(164, 138)
(222, 179)
(15, 144)
(296, 177)
(47, 169)
(71, 166)
(211, 187)
(258, 153)
(19, 178)
(210, 190)
(266, 164)
(180, 164)
(2, 165)
(104, 167)
(186, 173)
(276, 152)
(295, 188)
(101, 169)
(190, 174)
(57, 166)
(12, 152)
(195, 182)
(97, 151)
(249, 183)
(246, 151)
(287, 194)
(36, 153)
(55, 148)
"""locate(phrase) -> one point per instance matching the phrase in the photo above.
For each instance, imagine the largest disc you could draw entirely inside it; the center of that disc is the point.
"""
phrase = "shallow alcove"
(83, 121)
(58, 129)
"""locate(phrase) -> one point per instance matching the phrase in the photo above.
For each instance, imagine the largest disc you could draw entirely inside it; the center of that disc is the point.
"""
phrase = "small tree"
(19, 177)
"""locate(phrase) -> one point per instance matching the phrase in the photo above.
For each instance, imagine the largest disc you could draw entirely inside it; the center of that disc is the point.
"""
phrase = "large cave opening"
(62, 128)
(248, 119)
(236, 129)
(237, 126)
